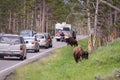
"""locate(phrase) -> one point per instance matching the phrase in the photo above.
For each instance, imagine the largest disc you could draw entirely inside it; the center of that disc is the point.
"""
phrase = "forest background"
(99, 19)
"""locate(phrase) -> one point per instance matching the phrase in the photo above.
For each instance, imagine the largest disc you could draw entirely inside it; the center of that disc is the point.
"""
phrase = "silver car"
(44, 39)
(32, 44)
(12, 45)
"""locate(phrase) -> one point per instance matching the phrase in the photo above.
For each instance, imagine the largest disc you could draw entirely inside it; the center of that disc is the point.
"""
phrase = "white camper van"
(65, 28)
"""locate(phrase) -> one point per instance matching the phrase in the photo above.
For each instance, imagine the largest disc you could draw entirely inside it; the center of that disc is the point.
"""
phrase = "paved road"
(10, 64)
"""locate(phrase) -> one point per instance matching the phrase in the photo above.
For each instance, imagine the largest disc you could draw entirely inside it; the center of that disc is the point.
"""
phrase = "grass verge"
(61, 65)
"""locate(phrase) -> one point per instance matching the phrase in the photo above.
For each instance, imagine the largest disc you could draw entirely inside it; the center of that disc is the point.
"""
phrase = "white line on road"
(25, 61)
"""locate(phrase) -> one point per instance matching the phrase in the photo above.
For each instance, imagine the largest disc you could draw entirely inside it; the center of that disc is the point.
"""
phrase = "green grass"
(61, 65)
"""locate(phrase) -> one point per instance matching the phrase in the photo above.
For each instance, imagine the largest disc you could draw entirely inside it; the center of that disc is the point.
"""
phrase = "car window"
(9, 39)
(47, 35)
(27, 33)
(66, 29)
(40, 36)
(29, 39)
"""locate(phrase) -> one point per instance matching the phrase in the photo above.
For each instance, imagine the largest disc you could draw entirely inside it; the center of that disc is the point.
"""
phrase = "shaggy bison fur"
(71, 41)
(79, 53)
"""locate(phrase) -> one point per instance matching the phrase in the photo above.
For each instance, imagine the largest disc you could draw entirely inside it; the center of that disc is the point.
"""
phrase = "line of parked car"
(26, 40)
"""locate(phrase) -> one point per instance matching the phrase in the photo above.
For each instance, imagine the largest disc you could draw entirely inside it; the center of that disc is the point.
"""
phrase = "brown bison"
(79, 53)
(71, 41)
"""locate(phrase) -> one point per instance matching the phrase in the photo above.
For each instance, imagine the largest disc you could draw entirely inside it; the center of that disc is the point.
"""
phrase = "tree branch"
(112, 6)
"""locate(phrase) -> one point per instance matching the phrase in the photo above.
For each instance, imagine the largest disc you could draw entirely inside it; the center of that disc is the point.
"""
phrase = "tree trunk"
(14, 23)
(95, 25)
(47, 23)
(115, 17)
(9, 29)
(90, 36)
(40, 18)
(24, 19)
(43, 17)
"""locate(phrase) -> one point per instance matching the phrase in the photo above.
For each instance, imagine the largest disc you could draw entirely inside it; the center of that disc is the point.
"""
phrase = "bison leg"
(76, 57)
(85, 55)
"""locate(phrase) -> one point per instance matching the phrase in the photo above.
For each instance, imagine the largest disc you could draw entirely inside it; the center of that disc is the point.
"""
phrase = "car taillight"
(33, 42)
(21, 48)
(48, 40)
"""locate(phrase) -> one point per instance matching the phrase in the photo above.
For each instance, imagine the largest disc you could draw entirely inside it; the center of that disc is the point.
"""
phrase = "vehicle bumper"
(10, 53)
(43, 44)
(30, 47)
(57, 37)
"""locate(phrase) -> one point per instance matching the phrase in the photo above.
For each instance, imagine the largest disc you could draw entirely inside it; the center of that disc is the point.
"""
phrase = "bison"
(71, 41)
(79, 53)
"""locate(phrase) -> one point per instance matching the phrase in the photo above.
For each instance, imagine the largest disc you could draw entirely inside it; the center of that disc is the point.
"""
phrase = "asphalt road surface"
(9, 64)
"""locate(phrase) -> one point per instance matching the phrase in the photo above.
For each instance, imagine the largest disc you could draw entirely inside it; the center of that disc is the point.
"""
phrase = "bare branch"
(112, 6)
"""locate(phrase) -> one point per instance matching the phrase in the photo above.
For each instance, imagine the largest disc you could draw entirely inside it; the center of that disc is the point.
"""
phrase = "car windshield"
(29, 39)
(26, 33)
(10, 39)
(66, 29)
(40, 36)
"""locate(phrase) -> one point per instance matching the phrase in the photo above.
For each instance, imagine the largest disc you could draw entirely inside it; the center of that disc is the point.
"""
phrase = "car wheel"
(25, 57)
(35, 50)
(38, 50)
(1, 57)
(74, 37)
(22, 57)
(46, 47)
(51, 45)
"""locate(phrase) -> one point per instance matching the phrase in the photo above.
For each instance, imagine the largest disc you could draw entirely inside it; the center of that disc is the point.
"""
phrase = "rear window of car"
(26, 33)
(39, 36)
(10, 39)
(47, 35)
(29, 39)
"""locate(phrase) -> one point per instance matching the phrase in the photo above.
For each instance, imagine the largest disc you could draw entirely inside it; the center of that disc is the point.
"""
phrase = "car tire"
(38, 50)
(25, 57)
(35, 50)
(1, 57)
(74, 37)
(46, 47)
(50, 45)
(22, 57)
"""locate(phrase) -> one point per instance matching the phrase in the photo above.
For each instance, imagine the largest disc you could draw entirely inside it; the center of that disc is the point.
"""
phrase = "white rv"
(65, 28)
